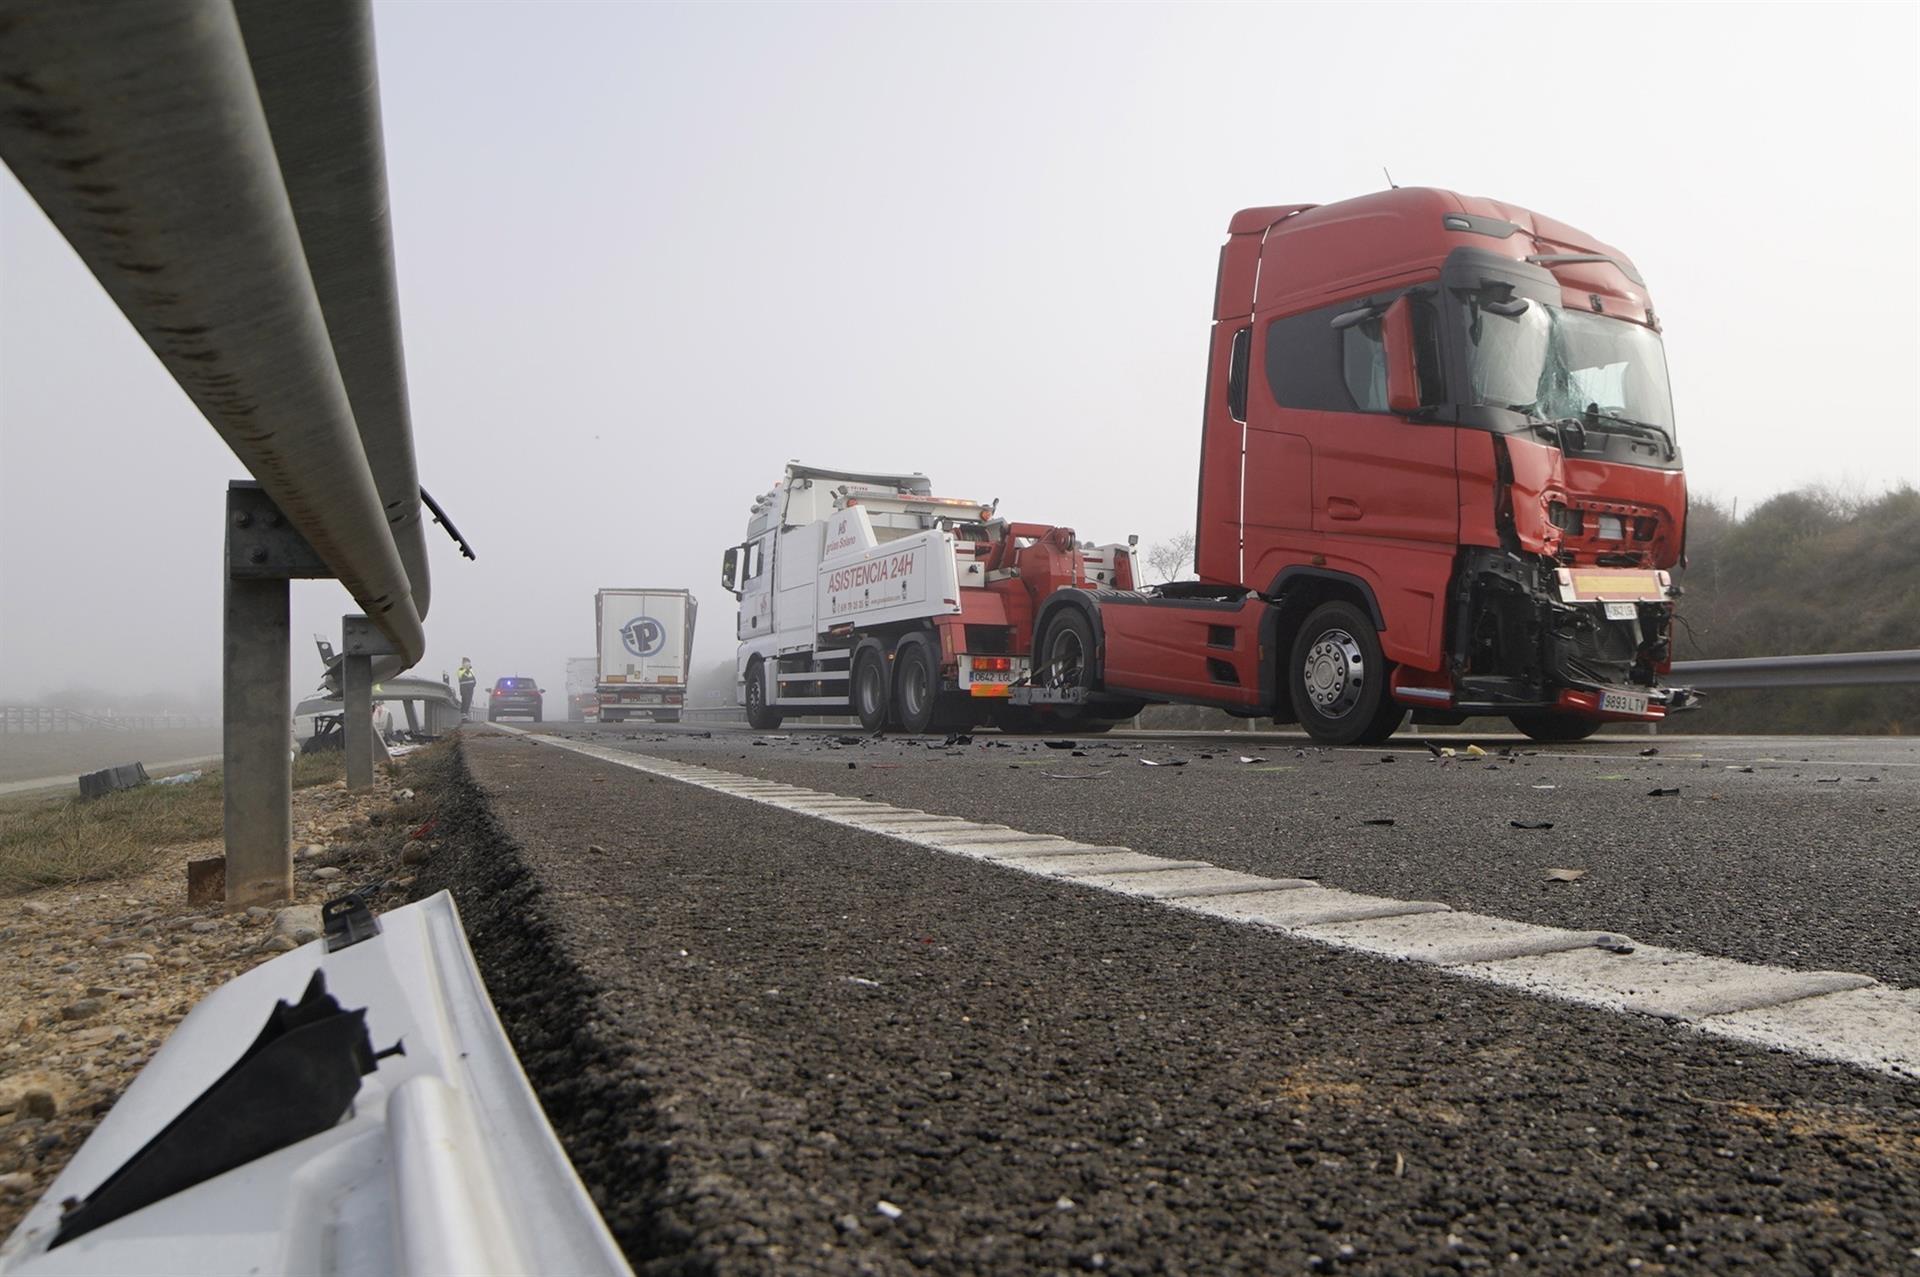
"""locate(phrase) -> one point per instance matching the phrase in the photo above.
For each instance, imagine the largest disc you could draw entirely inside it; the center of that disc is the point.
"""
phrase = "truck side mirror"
(730, 571)
(1403, 370)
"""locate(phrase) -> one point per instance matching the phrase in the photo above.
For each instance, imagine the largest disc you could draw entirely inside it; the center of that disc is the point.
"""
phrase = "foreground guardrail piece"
(1831, 669)
(442, 1162)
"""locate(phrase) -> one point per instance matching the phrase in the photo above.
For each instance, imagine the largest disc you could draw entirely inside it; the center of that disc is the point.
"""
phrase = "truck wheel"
(914, 693)
(870, 692)
(761, 716)
(1555, 729)
(1338, 679)
(1066, 661)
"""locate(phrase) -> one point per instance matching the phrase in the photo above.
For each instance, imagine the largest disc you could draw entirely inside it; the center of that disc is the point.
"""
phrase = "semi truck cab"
(1451, 415)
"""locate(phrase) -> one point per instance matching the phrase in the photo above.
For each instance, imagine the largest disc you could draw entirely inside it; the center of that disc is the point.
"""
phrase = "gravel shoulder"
(775, 1046)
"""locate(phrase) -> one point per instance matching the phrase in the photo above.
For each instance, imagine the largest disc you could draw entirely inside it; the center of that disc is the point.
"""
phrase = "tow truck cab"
(1451, 417)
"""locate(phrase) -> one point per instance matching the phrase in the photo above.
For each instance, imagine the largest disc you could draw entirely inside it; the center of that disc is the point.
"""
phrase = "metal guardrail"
(219, 168)
(1831, 669)
(139, 129)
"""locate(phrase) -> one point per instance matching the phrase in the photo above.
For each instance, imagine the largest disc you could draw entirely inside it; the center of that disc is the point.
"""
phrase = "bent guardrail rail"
(1831, 669)
(441, 1163)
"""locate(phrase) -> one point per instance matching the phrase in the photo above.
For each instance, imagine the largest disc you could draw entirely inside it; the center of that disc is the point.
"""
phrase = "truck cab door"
(796, 572)
(756, 593)
(1385, 490)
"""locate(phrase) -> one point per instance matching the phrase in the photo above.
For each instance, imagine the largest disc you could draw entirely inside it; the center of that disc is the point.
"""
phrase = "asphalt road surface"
(775, 1044)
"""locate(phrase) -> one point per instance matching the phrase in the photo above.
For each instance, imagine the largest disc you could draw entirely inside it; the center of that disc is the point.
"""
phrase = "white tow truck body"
(645, 644)
(835, 557)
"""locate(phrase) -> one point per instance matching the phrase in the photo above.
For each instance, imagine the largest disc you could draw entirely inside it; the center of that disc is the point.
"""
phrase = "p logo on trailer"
(643, 636)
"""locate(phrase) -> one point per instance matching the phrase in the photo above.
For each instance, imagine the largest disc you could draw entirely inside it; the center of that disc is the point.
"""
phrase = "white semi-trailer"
(646, 641)
(865, 593)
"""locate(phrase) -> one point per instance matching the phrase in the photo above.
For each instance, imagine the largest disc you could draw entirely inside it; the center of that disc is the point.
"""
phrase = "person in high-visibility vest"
(466, 685)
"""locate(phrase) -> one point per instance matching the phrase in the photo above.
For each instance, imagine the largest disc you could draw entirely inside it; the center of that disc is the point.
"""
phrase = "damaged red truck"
(1438, 474)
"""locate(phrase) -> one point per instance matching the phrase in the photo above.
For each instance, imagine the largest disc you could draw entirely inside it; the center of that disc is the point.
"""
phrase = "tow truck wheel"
(1555, 729)
(913, 687)
(1338, 679)
(870, 699)
(1066, 661)
(761, 716)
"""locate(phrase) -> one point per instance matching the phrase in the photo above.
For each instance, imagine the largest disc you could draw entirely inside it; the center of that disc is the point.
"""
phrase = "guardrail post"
(360, 642)
(263, 553)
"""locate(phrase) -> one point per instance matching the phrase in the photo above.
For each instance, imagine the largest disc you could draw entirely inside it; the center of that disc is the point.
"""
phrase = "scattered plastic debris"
(1249, 758)
(184, 778)
(1474, 751)
(1546, 787)
(863, 982)
(1384, 820)
(1075, 775)
(888, 1209)
(1649, 751)
(1060, 744)
(1662, 793)
(1612, 943)
(1531, 824)
(1566, 875)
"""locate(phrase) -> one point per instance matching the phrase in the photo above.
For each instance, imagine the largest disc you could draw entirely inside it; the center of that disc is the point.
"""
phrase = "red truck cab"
(1439, 472)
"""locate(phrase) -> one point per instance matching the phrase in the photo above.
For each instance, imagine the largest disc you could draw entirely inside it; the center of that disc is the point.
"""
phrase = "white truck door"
(796, 569)
(756, 591)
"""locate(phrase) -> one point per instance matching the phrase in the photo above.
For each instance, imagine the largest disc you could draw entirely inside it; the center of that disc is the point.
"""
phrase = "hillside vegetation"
(1807, 571)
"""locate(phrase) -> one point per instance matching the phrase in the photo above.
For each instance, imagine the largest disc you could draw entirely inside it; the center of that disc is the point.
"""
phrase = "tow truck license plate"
(1623, 703)
(1622, 611)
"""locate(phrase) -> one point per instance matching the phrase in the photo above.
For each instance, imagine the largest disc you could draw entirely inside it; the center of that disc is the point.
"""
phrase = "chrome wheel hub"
(1334, 673)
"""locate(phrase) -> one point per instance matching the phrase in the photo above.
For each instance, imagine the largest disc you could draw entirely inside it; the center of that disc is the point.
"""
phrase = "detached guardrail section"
(1833, 669)
(378, 1124)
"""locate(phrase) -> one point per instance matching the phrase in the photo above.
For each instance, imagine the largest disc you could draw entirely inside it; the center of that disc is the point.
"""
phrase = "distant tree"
(1170, 560)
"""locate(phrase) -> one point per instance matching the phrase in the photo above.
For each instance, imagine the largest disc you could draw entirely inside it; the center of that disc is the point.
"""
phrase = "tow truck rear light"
(994, 664)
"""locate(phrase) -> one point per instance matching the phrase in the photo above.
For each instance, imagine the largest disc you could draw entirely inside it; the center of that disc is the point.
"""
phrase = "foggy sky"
(647, 254)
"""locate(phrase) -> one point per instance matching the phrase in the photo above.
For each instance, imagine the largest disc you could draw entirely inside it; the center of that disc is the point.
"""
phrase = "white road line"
(1829, 1015)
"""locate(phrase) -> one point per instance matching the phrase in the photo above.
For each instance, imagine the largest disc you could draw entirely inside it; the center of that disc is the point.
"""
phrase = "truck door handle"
(1341, 508)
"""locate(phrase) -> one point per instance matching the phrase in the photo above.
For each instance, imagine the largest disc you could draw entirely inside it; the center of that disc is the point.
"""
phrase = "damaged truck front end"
(1537, 640)
(1573, 497)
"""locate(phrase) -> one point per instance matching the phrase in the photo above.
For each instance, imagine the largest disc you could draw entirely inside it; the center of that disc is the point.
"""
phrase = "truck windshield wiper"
(1617, 424)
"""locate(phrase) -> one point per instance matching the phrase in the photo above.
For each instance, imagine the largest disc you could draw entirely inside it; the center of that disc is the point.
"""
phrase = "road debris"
(1249, 758)
(1075, 775)
(1531, 824)
(1649, 751)
(1383, 820)
(1612, 943)
(1662, 793)
(1474, 751)
(1566, 875)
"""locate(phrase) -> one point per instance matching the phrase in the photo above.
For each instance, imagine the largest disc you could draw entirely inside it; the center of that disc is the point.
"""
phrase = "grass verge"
(50, 842)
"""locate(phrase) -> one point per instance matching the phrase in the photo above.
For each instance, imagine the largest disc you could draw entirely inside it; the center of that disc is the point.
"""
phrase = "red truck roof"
(1304, 254)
